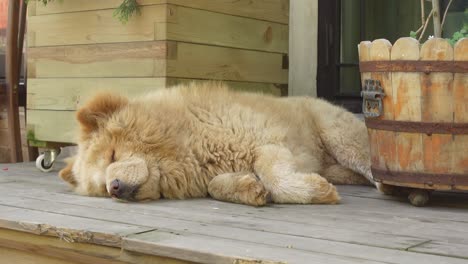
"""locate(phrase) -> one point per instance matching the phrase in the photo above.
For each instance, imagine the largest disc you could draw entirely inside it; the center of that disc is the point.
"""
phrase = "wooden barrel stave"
(385, 140)
(407, 106)
(460, 102)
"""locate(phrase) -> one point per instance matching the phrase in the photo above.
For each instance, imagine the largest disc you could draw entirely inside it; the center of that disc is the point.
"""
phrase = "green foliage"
(462, 33)
(31, 137)
(126, 10)
(123, 12)
(45, 2)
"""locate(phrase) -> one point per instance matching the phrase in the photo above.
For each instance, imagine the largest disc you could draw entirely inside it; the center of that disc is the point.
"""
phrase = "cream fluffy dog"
(204, 139)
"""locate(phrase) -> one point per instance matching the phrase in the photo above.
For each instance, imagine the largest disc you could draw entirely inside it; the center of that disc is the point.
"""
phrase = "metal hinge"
(372, 94)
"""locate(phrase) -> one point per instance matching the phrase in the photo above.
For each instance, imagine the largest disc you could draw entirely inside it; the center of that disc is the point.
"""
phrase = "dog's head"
(117, 151)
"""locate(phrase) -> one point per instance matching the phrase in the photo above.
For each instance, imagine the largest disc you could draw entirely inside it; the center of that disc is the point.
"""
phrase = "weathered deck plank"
(160, 216)
(69, 228)
(190, 246)
(366, 228)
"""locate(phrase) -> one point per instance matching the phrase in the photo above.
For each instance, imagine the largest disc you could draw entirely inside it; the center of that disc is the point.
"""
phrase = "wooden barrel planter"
(415, 102)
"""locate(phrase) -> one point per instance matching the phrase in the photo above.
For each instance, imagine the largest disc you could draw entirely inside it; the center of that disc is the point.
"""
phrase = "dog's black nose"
(118, 189)
(115, 188)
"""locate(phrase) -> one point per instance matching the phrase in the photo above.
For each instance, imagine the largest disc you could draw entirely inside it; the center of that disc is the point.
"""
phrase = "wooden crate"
(78, 47)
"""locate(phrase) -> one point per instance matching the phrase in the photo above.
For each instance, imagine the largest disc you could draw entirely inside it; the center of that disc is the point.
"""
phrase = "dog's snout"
(116, 188)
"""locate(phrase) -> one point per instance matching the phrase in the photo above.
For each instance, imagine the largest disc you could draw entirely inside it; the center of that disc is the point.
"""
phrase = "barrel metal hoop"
(428, 128)
(414, 66)
(428, 179)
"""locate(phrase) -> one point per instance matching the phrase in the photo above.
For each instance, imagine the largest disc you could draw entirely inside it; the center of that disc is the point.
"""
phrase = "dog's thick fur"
(204, 139)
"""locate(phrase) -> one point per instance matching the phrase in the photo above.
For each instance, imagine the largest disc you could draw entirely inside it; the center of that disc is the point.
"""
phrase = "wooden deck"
(41, 220)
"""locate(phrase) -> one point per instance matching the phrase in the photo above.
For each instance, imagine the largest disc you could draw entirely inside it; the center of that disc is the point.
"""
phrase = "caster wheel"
(418, 197)
(42, 165)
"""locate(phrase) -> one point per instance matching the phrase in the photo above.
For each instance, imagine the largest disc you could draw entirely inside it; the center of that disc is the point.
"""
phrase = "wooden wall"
(77, 47)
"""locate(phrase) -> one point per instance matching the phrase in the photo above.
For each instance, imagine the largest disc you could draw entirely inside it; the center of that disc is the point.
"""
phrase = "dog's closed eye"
(112, 157)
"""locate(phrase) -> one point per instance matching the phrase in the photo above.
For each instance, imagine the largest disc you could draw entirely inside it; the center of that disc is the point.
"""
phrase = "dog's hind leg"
(276, 168)
(345, 138)
(242, 187)
(337, 174)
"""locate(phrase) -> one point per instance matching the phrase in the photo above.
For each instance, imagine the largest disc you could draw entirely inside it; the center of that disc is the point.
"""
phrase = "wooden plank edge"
(66, 234)
(140, 246)
(53, 247)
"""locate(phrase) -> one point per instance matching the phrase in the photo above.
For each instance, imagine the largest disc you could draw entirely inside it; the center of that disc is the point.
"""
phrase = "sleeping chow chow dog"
(203, 139)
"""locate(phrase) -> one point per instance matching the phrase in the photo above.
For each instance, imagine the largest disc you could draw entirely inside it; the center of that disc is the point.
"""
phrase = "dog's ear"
(67, 174)
(98, 110)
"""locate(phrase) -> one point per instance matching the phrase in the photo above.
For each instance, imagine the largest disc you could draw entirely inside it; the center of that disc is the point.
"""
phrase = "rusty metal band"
(418, 127)
(414, 66)
(428, 179)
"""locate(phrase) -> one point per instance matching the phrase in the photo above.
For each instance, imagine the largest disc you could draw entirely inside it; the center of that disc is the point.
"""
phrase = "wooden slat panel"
(55, 7)
(70, 93)
(89, 27)
(47, 98)
(31, 10)
(406, 92)
(270, 10)
(158, 23)
(209, 62)
(147, 59)
(198, 26)
(266, 88)
(437, 106)
(385, 140)
(460, 99)
(137, 59)
(53, 126)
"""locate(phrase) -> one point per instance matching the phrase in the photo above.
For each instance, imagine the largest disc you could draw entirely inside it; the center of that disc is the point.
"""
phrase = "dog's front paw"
(253, 192)
(242, 187)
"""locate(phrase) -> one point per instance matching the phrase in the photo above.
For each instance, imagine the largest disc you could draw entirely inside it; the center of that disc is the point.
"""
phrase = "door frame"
(328, 55)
